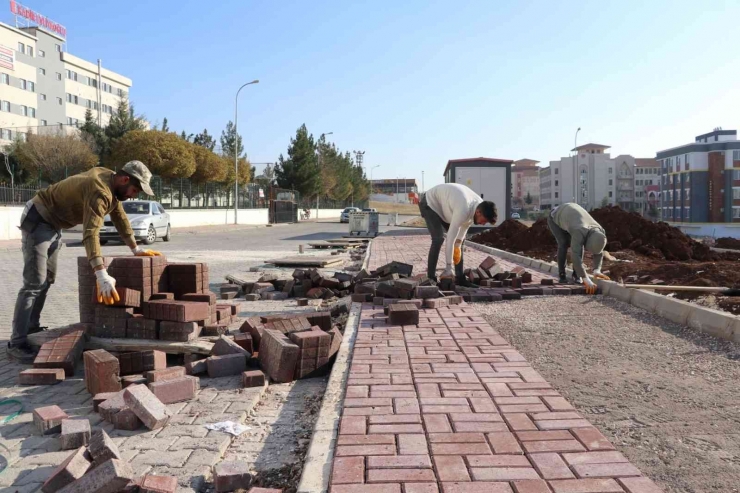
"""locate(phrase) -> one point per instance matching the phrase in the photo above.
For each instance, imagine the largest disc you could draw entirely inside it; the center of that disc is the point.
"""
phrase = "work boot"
(21, 353)
(465, 283)
(34, 330)
(563, 278)
(576, 278)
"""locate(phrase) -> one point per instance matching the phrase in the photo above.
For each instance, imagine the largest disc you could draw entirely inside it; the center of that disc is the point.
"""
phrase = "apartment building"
(43, 87)
(700, 181)
(525, 182)
(588, 178)
(635, 176)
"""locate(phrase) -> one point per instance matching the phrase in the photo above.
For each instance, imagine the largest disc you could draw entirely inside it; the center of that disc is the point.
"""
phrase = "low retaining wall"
(322, 213)
(10, 219)
(215, 217)
(715, 230)
(715, 322)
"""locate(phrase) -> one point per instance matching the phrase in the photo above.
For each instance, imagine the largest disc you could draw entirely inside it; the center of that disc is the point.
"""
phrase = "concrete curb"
(714, 322)
(318, 463)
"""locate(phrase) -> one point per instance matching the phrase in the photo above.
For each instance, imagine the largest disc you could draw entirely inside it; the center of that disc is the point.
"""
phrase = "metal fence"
(16, 195)
(325, 203)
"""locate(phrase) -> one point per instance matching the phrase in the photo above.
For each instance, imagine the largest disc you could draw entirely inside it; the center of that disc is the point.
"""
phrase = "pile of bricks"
(304, 284)
(158, 300)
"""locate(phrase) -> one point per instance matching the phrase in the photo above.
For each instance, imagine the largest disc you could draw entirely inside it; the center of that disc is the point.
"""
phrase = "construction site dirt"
(653, 252)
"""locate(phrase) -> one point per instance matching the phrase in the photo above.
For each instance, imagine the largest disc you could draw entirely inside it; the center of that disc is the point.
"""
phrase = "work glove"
(143, 252)
(106, 287)
(447, 274)
(599, 275)
(456, 255)
(589, 285)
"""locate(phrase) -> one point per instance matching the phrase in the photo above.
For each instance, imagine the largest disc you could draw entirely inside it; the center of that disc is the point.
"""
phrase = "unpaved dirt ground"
(666, 396)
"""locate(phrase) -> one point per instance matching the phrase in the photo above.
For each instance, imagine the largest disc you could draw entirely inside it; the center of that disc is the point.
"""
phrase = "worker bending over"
(572, 225)
(84, 199)
(451, 208)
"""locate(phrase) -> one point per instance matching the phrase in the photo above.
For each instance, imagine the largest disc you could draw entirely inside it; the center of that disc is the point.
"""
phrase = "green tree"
(165, 154)
(186, 137)
(360, 184)
(93, 134)
(204, 139)
(231, 142)
(604, 202)
(208, 166)
(245, 171)
(122, 121)
(165, 127)
(528, 199)
(300, 170)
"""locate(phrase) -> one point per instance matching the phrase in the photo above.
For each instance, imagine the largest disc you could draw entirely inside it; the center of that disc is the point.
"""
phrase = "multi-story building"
(647, 186)
(42, 86)
(525, 183)
(588, 178)
(700, 183)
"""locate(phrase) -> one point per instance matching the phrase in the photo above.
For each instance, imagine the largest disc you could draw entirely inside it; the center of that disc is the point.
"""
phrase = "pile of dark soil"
(514, 236)
(729, 243)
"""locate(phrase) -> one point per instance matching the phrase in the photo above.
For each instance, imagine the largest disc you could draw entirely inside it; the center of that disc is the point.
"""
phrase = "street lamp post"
(371, 176)
(236, 147)
(318, 193)
(575, 167)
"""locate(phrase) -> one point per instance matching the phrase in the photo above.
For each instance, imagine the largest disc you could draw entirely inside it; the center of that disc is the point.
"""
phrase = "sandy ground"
(391, 207)
(666, 396)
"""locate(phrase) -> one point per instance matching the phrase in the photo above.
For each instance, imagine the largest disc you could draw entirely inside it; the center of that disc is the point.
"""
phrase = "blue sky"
(415, 83)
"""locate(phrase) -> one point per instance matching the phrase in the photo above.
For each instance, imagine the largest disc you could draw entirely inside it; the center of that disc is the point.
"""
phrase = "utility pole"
(575, 167)
(236, 147)
(318, 192)
(422, 181)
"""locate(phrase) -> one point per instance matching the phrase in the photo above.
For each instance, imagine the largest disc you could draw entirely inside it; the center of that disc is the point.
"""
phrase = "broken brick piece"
(147, 407)
(73, 468)
(403, 314)
(112, 406)
(225, 345)
(229, 364)
(231, 475)
(175, 390)
(196, 367)
(38, 376)
(253, 378)
(102, 448)
(278, 356)
(101, 372)
(100, 398)
(62, 352)
(48, 419)
(75, 433)
(126, 420)
(109, 477)
(151, 483)
(165, 374)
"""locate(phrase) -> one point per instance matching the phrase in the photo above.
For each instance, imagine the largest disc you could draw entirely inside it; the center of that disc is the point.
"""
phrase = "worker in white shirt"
(572, 226)
(451, 208)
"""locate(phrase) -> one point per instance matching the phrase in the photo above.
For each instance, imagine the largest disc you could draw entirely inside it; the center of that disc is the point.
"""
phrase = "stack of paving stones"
(304, 284)
(157, 301)
(95, 465)
(444, 404)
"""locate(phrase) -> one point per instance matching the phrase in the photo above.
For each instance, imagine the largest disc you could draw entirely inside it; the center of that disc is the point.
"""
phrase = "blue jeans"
(41, 244)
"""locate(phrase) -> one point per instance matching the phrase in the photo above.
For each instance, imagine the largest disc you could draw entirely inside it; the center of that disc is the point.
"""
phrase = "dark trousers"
(41, 244)
(563, 239)
(438, 229)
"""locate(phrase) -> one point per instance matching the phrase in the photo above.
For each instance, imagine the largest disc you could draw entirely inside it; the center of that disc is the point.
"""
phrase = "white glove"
(447, 274)
(106, 286)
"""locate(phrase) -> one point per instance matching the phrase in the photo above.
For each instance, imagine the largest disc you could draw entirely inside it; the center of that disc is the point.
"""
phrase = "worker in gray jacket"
(572, 225)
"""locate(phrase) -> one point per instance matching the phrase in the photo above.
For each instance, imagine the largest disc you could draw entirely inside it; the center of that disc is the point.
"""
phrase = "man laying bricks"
(572, 225)
(84, 199)
(452, 208)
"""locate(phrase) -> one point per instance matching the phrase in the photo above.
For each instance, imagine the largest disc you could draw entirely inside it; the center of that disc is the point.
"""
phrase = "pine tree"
(230, 141)
(186, 137)
(204, 139)
(121, 122)
(93, 134)
(165, 127)
(528, 199)
(300, 170)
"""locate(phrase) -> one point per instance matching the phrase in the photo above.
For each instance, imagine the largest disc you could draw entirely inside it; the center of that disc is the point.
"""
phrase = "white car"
(148, 220)
(344, 216)
(515, 215)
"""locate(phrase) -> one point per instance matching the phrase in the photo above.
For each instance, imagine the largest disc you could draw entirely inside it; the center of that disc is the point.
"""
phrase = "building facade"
(395, 185)
(43, 88)
(525, 180)
(647, 186)
(488, 177)
(700, 182)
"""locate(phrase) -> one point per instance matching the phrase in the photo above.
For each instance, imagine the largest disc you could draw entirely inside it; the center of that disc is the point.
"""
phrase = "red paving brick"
(448, 406)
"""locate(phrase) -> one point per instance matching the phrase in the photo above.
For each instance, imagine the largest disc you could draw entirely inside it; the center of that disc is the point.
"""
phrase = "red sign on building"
(42, 21)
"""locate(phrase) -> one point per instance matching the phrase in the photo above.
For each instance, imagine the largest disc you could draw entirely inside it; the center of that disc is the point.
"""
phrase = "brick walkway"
(449, 406)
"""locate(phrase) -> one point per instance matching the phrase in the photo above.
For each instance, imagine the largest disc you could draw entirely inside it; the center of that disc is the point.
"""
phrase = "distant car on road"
(370, 209)
(148, 220)
(344, 216)
(515, 215)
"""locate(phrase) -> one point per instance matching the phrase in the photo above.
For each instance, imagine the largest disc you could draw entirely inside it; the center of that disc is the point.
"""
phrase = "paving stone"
(102, 372)
(109, 477)
(278, 356)
(175, 390)
(403, 314)
(223, 366)
(102, 448)
(75, 433)
(171, 373)
(62, 352)
(72, 469)
(253, 378)
(232, 475)
(38, 376)
(48, 420)
(225, 345)
(147, 407)
(151, 483)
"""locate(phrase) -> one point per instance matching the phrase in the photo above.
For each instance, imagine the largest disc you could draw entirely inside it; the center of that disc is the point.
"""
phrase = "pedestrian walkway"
(448, 406)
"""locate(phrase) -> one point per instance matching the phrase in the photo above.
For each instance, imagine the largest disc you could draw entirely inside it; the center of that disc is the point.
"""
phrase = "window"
(556, 181)
(611, 194)
(120, 92)
(42, 71)
(736, 174)
(43, 123)
(735, 154)
(42, 53)
(556, 170)
(556, 193)
(736, 212)
(31, 86)
(5, 134)
(610, 171)
(687, 194)
(5, 106)
(43, 97)
(24, 84)
(735, 193)
(29, 51)
(24, 110)
(69, 99)
(32, 112)
(21, 47)
(5, 78)
(611, 182)
(58, 47)
(59, 101)
(59, 76)
(687, 178)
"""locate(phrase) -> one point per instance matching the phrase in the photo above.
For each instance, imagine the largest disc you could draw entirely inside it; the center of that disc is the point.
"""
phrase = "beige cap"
(138, 170)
